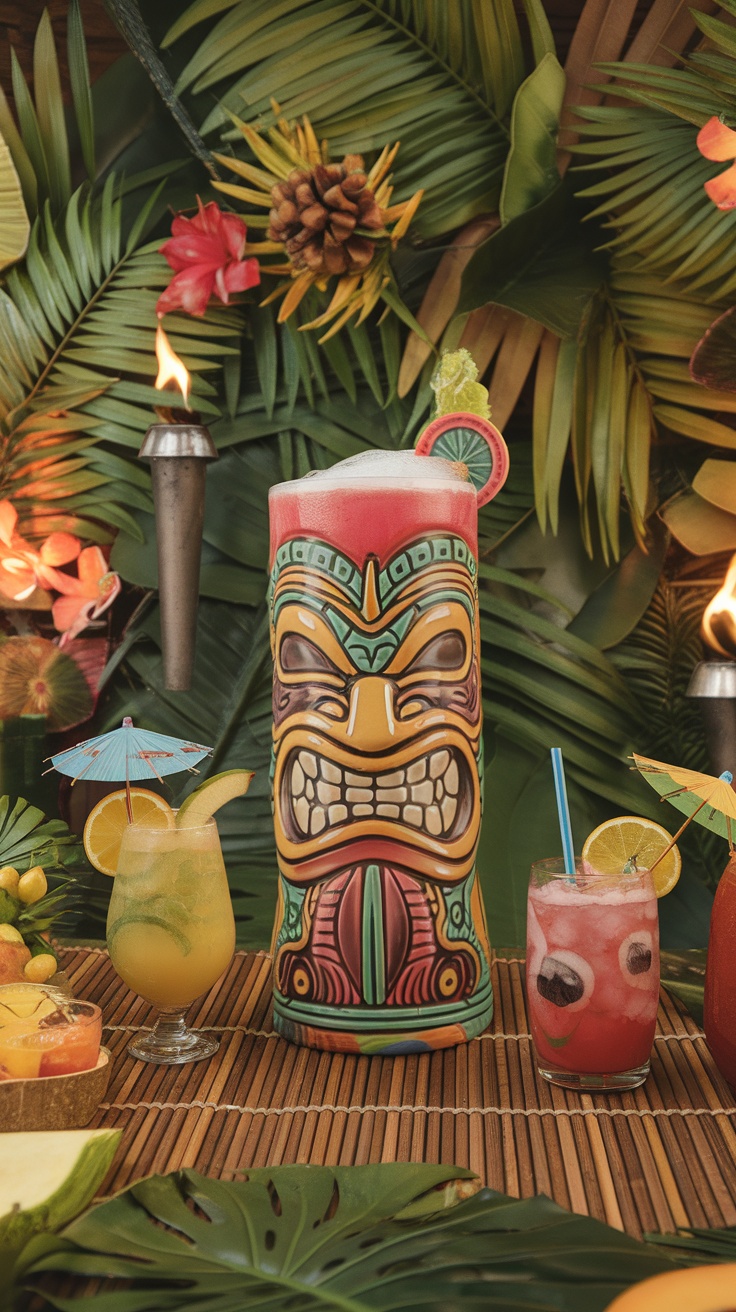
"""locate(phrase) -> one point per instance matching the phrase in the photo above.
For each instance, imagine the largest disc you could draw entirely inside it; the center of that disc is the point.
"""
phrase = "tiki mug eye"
(298, 655)
(445, 652)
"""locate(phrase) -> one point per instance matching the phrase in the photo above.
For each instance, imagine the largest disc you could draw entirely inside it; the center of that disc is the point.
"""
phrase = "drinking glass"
(62, 1039)
(592, 975)
(170, 931)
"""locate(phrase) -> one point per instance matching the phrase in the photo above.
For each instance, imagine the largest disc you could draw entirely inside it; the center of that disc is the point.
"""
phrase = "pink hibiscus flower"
(717, 142)
(84, 598)
(22, 568)
(207, 254)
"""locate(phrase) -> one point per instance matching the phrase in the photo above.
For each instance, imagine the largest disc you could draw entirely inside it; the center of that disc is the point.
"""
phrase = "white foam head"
(384, 469)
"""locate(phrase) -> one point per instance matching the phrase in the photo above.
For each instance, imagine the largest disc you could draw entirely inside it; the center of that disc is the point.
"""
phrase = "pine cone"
(315, 215)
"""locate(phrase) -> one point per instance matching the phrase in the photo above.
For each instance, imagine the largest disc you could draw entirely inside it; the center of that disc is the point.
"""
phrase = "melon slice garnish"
(47, 1177)
(199, 806)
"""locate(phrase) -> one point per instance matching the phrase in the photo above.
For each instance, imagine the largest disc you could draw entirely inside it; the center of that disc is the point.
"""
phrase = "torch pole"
(178, 454)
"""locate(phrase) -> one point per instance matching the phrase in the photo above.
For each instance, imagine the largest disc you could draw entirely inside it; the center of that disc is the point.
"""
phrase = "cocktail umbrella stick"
(681, 830)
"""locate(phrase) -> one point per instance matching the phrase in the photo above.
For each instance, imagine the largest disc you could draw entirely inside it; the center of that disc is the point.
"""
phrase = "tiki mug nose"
(371, 719)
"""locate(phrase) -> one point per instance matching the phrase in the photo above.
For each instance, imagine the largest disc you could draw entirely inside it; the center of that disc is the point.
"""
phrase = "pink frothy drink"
(592, 976)
(374, 503)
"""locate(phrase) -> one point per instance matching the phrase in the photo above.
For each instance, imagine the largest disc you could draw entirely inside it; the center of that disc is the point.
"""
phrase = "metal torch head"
(178, 454)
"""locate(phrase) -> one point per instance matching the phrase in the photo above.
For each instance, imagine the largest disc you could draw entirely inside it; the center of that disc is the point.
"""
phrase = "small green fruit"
(10, 907)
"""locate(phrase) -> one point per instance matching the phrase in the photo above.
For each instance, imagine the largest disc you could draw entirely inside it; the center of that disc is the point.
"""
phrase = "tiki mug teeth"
(380, 942)
(178, 454)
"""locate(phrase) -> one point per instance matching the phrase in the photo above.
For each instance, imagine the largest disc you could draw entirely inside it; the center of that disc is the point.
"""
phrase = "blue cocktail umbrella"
(128, 753)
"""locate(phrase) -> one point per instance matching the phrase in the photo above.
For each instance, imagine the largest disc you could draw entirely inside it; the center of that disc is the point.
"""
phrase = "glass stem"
(170, 1029)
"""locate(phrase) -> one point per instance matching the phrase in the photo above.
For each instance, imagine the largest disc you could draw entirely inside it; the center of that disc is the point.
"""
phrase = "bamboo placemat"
(660, 1157)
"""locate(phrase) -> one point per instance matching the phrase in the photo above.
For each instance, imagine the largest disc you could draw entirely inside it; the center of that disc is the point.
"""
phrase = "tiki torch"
(178, 448)
(713, 680)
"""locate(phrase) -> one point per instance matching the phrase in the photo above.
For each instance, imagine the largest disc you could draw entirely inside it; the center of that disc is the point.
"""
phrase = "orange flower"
(717, 142)
(86, 597)
(22, 568)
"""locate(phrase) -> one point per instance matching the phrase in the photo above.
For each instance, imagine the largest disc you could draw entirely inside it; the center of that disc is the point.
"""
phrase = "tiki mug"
(380, 942)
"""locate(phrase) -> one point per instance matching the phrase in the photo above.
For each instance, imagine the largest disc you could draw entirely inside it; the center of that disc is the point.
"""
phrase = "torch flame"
(719, 616)
(170, 366)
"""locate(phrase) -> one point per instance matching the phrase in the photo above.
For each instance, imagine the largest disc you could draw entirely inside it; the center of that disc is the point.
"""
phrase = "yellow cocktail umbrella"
(705, 798)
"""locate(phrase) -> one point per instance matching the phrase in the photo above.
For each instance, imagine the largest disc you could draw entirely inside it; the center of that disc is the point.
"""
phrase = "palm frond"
(40, 146)
(611, 393)
(368, 73)
(77, 326)
(14, 225)
(651, 197)
(657, 660)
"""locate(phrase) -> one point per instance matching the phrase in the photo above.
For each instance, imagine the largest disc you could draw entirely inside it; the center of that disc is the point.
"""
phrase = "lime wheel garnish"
(473, 441)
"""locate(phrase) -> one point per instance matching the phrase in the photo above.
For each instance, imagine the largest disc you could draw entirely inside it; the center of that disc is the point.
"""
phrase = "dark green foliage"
(318, 1238)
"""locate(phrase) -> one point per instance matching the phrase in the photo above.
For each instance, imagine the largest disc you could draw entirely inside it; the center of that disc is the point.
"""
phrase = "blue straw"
(563, 810)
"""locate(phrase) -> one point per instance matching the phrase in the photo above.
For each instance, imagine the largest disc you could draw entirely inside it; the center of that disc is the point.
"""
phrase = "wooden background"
(19, 19)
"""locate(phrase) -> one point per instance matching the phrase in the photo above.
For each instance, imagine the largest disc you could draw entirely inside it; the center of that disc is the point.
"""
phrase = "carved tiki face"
(377, 712)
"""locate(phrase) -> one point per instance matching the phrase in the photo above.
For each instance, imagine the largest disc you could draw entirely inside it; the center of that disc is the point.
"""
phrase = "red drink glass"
(592, 975)
(64, 1041)
(380, 942)
(719, 1010)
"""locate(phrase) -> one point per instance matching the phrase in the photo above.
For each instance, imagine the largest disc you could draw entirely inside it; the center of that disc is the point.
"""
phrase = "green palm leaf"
(651, 196)
(657, 660)
(77, 328)
(369, 73)
(27, 838)
(14, 225)
(338, 1237)
(41, 149)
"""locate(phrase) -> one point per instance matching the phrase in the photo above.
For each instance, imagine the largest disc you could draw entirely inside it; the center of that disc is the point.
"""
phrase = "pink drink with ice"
(592, 971)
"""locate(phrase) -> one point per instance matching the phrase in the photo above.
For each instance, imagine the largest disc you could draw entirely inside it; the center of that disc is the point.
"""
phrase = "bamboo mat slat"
(654, 1159)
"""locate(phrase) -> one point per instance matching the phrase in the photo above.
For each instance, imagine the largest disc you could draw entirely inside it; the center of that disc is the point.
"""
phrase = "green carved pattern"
(420, 555)
(369, 654)
(332, 564)
(459, 926)
(323, 559)
(290, 930)
(472, 1013)
(373, 951)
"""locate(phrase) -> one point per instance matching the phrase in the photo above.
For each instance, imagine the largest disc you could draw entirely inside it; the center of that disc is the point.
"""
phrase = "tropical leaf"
(40, 150)
(657, 660)
(651, 196)
(27, 838)
(14, 224)
(698, 525)
(624, 383)
(77, 327)
(371, 73)
(700, 1246)
(359, 1237)
(539, 264)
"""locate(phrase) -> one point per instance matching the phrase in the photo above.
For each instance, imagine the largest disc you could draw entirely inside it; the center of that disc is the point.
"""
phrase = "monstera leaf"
(353, 1238)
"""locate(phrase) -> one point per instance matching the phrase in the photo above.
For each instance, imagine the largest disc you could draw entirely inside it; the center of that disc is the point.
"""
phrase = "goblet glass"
(170, 931)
